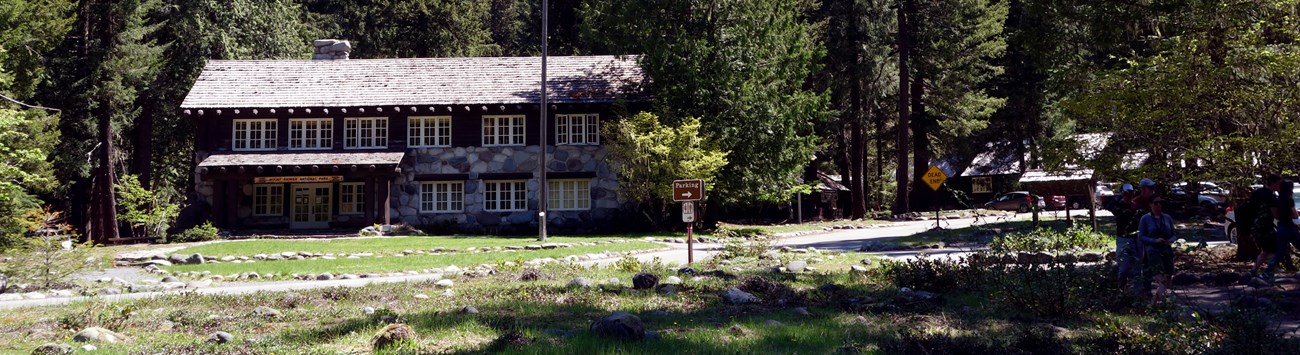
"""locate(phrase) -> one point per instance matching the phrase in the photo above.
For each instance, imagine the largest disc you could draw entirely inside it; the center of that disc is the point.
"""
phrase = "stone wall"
(478, 160)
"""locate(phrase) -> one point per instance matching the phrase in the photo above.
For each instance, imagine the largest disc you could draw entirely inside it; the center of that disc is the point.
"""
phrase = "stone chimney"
(331, 49)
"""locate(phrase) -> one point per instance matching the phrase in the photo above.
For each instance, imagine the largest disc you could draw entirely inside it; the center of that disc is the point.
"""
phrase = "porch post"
(385, 195)
(369, 197)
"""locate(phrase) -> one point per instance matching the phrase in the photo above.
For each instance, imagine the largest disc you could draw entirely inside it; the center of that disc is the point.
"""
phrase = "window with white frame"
(442, 196)
(254, 134)
(268, 200)
(503, 130)
(365, 133)
(500, 196)
(981, 184)
(568, 194)
(311, 133)
(351, 196)
(430, 131)
(577, 129)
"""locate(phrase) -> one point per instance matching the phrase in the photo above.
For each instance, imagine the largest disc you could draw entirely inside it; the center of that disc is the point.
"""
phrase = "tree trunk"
(922, 195)
(104, 197)
(142, 166)
(880, 155)
(904, 47)
(858, 148)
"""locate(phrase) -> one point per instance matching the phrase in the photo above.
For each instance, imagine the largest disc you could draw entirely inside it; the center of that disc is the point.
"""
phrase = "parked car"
(1230, 228)
(1056, 202)
(1019, 201)
(1180, 204)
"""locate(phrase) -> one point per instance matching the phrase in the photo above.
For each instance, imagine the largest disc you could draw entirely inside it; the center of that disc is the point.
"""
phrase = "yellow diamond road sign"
(935, 177)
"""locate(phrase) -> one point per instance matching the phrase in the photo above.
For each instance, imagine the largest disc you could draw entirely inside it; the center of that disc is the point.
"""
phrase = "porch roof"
(303, 159)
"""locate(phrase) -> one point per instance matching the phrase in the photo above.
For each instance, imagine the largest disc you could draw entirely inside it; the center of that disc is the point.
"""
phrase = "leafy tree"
(740, 66)
(648, 155)
(145, 209)
(26, 137)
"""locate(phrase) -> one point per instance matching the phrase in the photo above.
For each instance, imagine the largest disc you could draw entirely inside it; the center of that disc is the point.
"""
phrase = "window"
(981, 184)
(254, 134)
(579, 129)
(268, 200)
(350, 197)
(442, 196)
(568, 194)
(365, 133)
(503, 130)
(502, 196)
(313, 133)
(430, 131)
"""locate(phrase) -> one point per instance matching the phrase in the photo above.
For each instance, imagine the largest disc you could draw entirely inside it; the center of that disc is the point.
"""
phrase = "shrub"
(738, 243)
(1044, 240)
(143, 208)
(48, 255)
(200, 233)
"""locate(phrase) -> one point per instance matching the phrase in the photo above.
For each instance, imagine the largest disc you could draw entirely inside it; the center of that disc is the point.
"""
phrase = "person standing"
(1262, 211)
(1126, 249)
(1142, 206)
(1287, 232)
(1156, 232)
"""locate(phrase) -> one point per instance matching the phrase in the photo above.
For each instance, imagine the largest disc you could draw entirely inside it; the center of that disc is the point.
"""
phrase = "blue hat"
(1126, 187)
(1147, 183)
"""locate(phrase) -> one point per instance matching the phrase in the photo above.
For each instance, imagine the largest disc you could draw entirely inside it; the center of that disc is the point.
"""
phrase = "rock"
(52, 349)
(803, 311)
(1067, 258)
(61, 293)
(1090, 258)
(453, 269)
(772, 323)
(644, 281)
(178, 259)
(737, 297)
(89, 347)
(736, 329)
(421, 296)
(264, 311)
(445, 283)
(448, 293)
(98, 334)
(469, 310)
(172, 285)
(1184, 279)
(325, 277)
(771, 255)
(796, 266)
(33, 296)
(392, 333)
(673, 280)
(860, 320)
(1226, 278)
(687, 271)
(228, 258)
(858, 268)
(370, 311)
(157, 262)
(10, 297)
(195, 259)
(170, 279)
(348, 277)
(580, 282)
(621, 326)
(220, 338)
(198, 284)
(667, 289)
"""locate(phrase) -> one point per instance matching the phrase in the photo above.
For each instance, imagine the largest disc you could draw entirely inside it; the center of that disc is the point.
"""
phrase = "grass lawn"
(542, 316)
(411, 262)
(974, 233)
(369, 245)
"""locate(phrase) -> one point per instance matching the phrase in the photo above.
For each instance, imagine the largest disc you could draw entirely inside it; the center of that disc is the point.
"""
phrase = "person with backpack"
(1126, 249)
(1287, 231)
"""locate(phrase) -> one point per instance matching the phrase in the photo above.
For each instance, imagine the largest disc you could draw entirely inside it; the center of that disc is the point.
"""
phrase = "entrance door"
(311, 206)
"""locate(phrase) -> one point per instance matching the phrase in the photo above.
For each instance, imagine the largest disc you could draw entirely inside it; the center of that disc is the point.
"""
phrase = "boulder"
(803, 311)
(53, 349)
(421, 296)
(1090, 257)
(469, 310)
(1226, 278)
(644, 281)
(170, 279)
(178, 259)
(796, 266)
(673, 280)
(221, 338)
(1067, 258)
(687, 271)
(325, 277)
(391, 334)
(444, 283)
(858, 268)
(195, 259)
(98, 334)
(580, 282)
(737, 297)
(264, 311)
(619, 325)
(667, 289)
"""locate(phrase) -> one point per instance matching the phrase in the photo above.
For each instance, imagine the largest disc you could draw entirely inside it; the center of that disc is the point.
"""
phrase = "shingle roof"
(303, 159)
(412, 81)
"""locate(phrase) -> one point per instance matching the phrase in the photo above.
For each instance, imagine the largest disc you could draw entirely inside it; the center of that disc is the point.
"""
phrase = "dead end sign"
(688, 190)
(935, 177)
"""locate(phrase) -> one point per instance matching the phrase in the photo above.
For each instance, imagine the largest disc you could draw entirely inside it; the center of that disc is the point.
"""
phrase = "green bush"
(738, 243)
(1045, 240)
(200, 233)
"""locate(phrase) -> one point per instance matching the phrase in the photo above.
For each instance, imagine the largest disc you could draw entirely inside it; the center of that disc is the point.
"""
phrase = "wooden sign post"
(687, 192)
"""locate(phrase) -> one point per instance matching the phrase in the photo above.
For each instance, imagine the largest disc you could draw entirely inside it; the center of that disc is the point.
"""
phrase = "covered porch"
(300, 190)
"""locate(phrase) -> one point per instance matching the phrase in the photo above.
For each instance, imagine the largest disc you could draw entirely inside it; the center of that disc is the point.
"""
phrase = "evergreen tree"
(406, 28)
(740, 66)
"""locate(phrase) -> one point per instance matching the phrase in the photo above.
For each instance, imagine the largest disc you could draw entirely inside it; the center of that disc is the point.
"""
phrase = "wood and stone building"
(452, 142)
